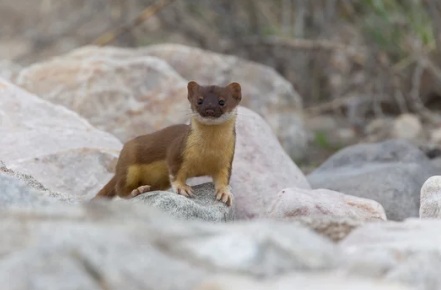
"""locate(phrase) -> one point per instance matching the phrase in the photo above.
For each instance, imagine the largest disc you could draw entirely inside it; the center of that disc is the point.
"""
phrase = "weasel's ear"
(235, 91)
(192, 87)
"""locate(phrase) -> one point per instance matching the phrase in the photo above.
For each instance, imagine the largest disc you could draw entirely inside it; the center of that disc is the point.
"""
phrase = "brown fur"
(170, 156)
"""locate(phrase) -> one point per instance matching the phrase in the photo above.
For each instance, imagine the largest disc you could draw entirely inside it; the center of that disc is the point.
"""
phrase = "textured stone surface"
(334, 228)
(203, 206)
(329, 281)
(261, 168)
(406, 252)
(390, 172)
(52, 144)
(117, 90)
(77, 172)
(14, 192)
(430, 206)
(293, 202)
(262, 248)
(27, 180)
(118, 246)
(264, 90)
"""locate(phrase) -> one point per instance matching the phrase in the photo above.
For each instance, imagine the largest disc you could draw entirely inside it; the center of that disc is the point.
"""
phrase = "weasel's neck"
(216, 131)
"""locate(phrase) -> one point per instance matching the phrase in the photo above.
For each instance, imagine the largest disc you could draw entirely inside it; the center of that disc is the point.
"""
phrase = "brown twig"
(145, 14)
(329, 106)
(306, 44)
(415, 89)
(399, 96)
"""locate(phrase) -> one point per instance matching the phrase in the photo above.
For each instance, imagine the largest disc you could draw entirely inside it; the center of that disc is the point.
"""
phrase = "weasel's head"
(212, 104)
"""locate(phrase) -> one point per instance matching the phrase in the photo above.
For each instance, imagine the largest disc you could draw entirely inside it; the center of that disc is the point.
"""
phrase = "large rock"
(203, 206)
(54, 145)
(265, 91)
(430, 204)
(129, 92)
(391, 172)
(129, 246)
(116, 90)
(406, 252)
(295, 202)
(261, 168)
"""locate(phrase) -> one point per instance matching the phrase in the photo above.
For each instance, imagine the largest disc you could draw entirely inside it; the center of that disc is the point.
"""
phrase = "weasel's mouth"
(213, 120)
(210, 116)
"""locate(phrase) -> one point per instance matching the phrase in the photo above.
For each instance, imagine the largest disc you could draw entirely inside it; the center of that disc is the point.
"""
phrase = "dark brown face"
(213, 102)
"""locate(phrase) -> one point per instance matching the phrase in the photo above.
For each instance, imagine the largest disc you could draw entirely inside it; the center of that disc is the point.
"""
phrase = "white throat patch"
(216, 121)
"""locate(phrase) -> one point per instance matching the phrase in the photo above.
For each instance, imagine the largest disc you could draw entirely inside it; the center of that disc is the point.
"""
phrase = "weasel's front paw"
(225, 196)
(140, 190)
(183, 189)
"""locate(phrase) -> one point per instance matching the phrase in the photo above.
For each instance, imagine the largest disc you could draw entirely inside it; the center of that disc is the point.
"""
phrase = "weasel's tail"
(108, 191)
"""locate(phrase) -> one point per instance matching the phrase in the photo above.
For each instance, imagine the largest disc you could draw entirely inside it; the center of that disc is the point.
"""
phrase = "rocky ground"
(366, 218)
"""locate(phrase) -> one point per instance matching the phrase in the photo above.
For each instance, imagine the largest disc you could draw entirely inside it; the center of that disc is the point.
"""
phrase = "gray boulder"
(107, 245)
(203, 206)
(390, 172)
(406, 252)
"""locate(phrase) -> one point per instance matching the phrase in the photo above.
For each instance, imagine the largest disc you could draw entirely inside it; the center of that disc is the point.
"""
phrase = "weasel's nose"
(209, 112)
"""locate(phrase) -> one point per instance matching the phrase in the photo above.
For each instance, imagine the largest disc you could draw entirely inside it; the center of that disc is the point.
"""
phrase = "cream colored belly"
(154, 174)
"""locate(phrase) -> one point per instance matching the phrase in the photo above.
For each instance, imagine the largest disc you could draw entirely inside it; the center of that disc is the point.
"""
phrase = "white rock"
(295, 202)
(117, 90)
(430, 204)
(407, 126)
(261, 168)
(54, 145)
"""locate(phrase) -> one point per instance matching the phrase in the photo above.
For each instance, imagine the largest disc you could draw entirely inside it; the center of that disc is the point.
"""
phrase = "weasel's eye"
(200, 101)
(222, 103)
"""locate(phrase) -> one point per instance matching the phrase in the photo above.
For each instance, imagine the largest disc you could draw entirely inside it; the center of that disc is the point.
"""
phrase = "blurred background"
(366, 70)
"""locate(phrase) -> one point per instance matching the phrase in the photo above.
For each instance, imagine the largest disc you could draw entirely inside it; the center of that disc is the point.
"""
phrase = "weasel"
(167, 158)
